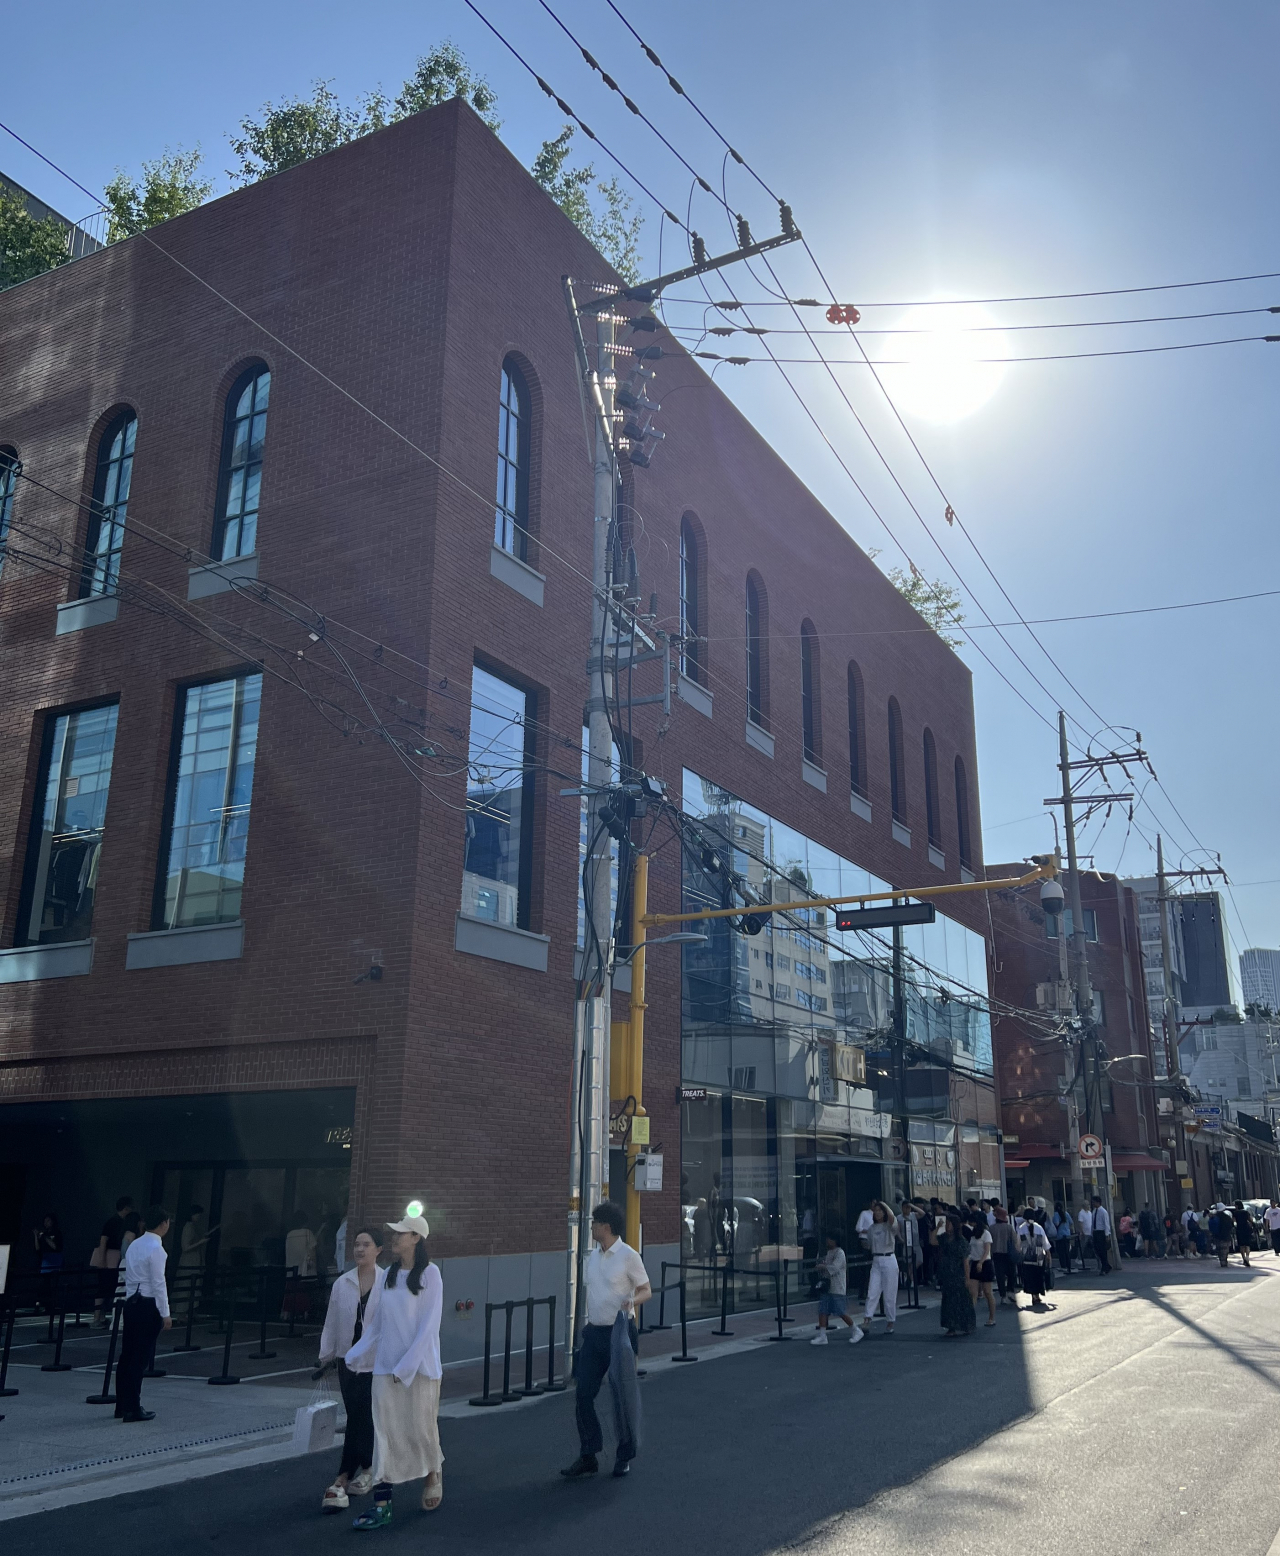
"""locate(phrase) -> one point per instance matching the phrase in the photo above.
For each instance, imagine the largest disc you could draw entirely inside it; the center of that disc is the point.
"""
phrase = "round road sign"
(1090, 1150)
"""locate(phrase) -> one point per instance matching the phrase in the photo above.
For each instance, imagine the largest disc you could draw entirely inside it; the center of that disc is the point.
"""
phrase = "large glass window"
(109, 510)
(810, 693)
(897, 763)
(202, 877)
(9, 468)
(757, 627)
(932, 808)
(62, 861)
(962, 814)
(496, 867)
(690, 615)
(240, 480)
(511, 513)
(857, 734)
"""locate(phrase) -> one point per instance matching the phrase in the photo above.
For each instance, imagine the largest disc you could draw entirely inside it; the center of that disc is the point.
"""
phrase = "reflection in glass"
(499, 789)
(109, 509)
(246, 431)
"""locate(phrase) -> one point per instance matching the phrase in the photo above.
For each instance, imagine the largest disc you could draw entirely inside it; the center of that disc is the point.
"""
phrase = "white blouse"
(402, 1334)
(340, 1320)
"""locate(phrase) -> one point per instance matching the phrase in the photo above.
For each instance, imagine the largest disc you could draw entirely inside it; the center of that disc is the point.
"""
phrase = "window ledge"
(901, 833)
(812, 773)
(936, 857)
(177, 947)
(859, 806)
(621, 973)
(220, 577)
(967, 875)
(761, 739)
(516, 574)
(501, 943)
(695, 695)
(96, 611)
(30, 963)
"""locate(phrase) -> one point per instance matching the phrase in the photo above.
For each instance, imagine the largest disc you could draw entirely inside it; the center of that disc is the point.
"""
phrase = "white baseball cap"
(413, 1220)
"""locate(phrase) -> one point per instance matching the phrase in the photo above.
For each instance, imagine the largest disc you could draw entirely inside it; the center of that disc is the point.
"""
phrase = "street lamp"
(684, 938)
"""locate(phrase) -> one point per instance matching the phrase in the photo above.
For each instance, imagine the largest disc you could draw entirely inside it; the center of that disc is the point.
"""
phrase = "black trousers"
(591, 1366)
(1102, 1247)
(142, 1323)
(1006, 1279)
(357, 1396)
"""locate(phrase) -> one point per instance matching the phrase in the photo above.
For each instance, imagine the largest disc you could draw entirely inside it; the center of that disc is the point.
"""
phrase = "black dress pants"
(357, 1396)
(591, 1367)
(1102, 1247)
(142, 1323)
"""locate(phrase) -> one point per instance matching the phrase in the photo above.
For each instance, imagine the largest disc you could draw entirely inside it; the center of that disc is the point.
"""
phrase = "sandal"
(335, 1499)
(433, 1491)
(375, 1517)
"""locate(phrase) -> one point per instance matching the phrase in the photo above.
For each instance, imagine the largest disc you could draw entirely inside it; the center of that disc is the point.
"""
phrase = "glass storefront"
(797, 1107)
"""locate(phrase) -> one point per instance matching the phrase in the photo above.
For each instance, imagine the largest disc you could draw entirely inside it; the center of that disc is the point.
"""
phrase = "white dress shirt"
(336, 1339)
(613, 1276)
(1085, 1220)
(402, 1334)
(1101, 1220)
(144, 1263)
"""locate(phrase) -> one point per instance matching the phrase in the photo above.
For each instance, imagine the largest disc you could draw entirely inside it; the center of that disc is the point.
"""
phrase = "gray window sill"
(812, 773)
(859, 806)
(221, 577)
(761, 739)
(76, 615)
(30, 963)
(621, 974)
(516, 574)
(501, 943)
(967, 875)
(901, 833)
(696, 696)
(177, 947)
(936, 857)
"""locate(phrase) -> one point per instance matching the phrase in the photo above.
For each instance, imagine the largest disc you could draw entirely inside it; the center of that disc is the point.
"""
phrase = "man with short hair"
(615, 1283)
(146, 1313)
(1102, 1235)
(1271, 1216)
(1084, 1220)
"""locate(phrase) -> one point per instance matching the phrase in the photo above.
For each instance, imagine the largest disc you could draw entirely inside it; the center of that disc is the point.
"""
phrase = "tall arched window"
(811, 692)
(932, 809)
(757, 636)
(511, 513)
(897, 763)
(244, 431)
(107, 514)
(690, 609)
(962, 815)
(9, 468)
(857, 733)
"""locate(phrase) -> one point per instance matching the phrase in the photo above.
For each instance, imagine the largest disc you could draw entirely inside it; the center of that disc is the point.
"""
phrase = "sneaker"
(820, 1338)
(360, 1485)
(334, 1499)
(855, 1335)
(375, 1517)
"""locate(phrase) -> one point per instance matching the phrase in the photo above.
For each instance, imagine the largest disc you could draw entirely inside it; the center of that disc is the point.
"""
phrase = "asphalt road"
(1136, 1417)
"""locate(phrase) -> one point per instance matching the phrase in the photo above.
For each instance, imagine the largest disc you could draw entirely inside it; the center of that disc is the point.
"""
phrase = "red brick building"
(258, 623)
(1029, 971)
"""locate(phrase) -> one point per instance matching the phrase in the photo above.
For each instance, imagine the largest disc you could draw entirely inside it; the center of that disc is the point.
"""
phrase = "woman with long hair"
(353, 1302)
(952, 1248)
(881, 1239)
(403, 1338)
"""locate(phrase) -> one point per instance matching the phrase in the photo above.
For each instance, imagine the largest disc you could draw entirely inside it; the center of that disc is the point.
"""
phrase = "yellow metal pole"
(635, 1035)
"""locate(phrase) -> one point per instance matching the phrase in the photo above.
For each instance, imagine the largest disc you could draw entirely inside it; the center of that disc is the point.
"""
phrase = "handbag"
(314, 1423)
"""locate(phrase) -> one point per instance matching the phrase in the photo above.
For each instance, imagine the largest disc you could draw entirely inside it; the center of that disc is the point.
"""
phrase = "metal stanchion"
(106, 1397)
(193, 1281)
(7, 1393)
(508, 1394)
(662, 1299)
(78, 1285)
(553, 1387)
(487, 1398)
(224, 1377)
(724, 1301)
(530, 1387)
(57, 1364)
(684, 1333)
(262, 1353)
(777, 1295)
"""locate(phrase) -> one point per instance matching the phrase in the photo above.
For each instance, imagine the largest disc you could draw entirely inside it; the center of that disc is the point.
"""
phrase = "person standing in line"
(1084, 1222)
(951, 1246)
(402, 1337)
(1004, 1245)
(882, 1238)
(1102, 1235)
(615, 1283)
(1152, 1232)
(1271, 1218)
(1246, 1233)
(146, 1313)
(834, 1302)
(106, 1257)
(193, 1240)
(353, 1301)
(1063, 1231)
(1191, 1231)
(1035, 1253)
(1126, 1234)
(1222, 1229)
(981, 1267)
(48, 1237)
(1172, 1235)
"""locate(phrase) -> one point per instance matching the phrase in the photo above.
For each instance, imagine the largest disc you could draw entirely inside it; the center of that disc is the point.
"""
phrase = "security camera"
(1051, 898)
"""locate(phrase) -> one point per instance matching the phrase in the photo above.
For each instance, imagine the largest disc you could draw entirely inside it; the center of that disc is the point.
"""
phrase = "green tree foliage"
(27, 247)
(441, 75)
(170, 186)
(610, 224)
(935, 599)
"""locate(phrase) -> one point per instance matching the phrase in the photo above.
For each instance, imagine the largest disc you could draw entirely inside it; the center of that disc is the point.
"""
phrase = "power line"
(961, 329)
(1061, 356)
(962, 302)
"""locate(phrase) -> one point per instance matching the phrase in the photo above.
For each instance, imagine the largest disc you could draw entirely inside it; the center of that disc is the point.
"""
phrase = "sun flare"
(942, 378)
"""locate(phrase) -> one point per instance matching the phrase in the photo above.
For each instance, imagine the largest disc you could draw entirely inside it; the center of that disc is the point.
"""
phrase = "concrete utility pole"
(1170, 1014)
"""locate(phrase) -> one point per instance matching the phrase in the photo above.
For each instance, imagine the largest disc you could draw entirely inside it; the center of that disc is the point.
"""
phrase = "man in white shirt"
(1271, 1217)
(1102, 1236)
(1084, 1220)
(146, 1313)
(615, 1281)
(833, 1302)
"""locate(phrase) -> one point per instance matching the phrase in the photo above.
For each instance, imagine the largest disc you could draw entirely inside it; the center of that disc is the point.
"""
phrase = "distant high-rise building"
(1260, 978)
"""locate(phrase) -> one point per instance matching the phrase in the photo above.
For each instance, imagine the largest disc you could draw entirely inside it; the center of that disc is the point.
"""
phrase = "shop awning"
(1009, 1161)
(1124, 1161)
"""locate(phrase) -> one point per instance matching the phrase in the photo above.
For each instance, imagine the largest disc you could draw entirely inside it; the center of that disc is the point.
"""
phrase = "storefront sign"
(851, 1064)
(692, 1094)
(932, 1167)
(1187, 1183)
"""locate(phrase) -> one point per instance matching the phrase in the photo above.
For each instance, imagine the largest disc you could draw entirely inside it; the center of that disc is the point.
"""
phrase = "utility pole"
(1169, 1016)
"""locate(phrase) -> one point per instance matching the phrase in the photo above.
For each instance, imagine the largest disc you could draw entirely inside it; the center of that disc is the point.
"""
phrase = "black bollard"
(107, 1397)
(553, 1387)
(530, 1387)
(487, 1398)
(78, 1288)
(684, 1333)
(777, 1297)
(662, 1300)
(225, 1377)
(508, 1393)
(6, 1393)
(724, 1302)
(193, 1280)
(262, 1353)
(57, 1364)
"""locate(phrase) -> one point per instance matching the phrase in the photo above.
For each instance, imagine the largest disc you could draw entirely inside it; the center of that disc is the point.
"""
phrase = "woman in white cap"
(403, 1337)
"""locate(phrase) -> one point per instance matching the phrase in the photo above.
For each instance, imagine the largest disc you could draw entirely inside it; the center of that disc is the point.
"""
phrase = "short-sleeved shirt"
(836, 1266)
(980, 1248)
(113, 1229)
(1085, 1220)
(613, 1275)
(1272, 1217)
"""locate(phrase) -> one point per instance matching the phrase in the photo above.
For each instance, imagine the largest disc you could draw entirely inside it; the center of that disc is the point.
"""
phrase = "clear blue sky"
(929, 150)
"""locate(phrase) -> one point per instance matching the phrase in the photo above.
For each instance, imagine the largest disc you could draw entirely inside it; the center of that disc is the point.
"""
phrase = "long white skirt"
(406, 1434)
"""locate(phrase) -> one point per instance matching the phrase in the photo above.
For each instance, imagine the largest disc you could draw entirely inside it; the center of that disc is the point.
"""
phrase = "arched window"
(857, 734)
(511, 513)
(962, 815)
(811, 693)
(932, 809)
(107, 514)
(897, 763)
(690, 610)
(240, 478)
(9, 468)
(757, 637)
